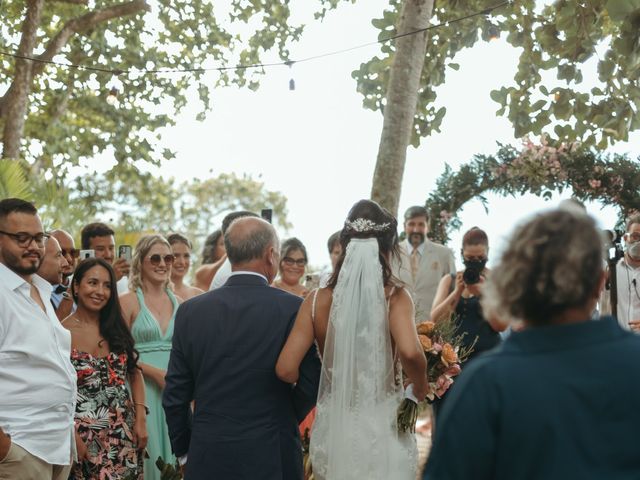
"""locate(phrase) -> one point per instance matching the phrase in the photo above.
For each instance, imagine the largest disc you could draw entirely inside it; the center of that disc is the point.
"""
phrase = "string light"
(112, 97)
(292, 82)
(118, 72)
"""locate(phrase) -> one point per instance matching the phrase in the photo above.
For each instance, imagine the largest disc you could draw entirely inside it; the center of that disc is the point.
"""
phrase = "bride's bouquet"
(444, 352)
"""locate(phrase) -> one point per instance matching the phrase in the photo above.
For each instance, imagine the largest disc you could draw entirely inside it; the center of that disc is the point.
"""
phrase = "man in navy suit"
(225, 346)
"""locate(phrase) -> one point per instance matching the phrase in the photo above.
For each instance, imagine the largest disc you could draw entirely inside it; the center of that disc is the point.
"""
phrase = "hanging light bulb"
(292, 82)
(494, 33)
(112, 97)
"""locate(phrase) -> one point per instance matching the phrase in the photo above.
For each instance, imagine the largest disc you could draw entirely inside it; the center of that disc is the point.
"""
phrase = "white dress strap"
(313, 304)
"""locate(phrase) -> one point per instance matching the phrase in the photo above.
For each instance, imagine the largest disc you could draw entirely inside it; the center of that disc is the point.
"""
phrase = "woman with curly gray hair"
(558, 399)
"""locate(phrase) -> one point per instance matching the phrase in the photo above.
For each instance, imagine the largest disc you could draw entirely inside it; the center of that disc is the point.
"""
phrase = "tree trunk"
(401, 101)
(15, 110)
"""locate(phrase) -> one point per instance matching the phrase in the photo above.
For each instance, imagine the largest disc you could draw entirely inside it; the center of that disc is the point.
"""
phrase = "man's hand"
(634, 325)
(121, 267)
(5, 444)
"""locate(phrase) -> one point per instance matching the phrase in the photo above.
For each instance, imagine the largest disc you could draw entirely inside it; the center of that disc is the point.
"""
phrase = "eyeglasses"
(74, 252)
(634, 237)
(24, 239)
(300, 262)
(156, 258)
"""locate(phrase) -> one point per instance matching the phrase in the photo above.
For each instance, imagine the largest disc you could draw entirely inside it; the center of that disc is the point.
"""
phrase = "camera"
(84, 254)
(613, 244)
(471, 274)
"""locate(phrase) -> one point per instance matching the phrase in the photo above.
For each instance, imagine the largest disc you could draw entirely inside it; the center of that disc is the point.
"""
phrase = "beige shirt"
(436, 261)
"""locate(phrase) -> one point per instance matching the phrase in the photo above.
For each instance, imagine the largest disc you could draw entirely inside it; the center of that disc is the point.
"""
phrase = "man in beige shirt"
(422, 263)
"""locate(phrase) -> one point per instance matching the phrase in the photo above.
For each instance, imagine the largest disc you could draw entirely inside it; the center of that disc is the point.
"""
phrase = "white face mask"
(633, 250)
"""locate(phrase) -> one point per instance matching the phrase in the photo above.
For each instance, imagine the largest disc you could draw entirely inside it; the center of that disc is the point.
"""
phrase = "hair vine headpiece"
(363, 225)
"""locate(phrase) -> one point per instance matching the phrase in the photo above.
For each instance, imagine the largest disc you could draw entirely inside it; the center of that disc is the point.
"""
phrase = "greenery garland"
(538, 169)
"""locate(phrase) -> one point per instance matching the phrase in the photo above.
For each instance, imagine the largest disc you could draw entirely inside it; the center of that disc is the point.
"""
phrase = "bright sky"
(318, 146)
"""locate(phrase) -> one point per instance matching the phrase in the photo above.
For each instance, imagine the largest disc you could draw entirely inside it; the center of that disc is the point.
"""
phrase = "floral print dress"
(104, 419)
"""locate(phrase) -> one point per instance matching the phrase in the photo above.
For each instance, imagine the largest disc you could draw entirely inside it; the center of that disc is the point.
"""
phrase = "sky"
(317, 145)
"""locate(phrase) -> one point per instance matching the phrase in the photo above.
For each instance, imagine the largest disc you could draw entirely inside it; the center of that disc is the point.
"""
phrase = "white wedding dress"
(355, 435)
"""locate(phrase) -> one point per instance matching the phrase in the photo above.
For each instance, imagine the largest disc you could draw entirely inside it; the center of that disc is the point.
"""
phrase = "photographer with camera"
(460, 294)
(627, 281)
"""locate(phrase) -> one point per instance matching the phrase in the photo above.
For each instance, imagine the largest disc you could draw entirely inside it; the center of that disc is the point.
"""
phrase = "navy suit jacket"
(245, 423)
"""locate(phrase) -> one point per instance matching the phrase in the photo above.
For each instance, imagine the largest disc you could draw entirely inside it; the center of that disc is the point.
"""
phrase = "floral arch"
(538, 169)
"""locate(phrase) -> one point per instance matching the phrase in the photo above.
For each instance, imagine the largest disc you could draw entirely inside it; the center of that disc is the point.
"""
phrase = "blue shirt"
(555, 402)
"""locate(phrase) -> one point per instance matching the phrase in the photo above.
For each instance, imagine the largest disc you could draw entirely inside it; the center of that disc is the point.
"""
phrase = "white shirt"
(122, 285)
(628, 280)
(37, 379)
(221, 276)
(410, 248)
(247, 272)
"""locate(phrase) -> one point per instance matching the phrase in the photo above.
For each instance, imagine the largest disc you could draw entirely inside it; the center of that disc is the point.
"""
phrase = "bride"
(364, 325)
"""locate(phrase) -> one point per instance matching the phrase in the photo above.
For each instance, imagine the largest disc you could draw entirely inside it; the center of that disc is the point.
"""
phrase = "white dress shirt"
(221, 276)
(37, 379)
(628, 279)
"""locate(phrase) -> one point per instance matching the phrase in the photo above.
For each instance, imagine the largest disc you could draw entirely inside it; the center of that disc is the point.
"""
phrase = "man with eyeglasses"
(99, 237)
(62, 301)
(628, 279)
(37, 379)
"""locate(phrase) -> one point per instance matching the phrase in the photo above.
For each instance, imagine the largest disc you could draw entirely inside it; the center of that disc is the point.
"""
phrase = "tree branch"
(76, 2)
(84, 23)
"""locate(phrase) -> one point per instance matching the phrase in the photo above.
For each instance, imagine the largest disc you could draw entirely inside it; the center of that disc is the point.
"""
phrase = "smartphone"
(84, 254)
(312, 281)
(267, 214)
(124, 251)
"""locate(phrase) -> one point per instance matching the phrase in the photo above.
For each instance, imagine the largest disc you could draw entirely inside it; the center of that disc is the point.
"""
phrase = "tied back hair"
(113, 327)
(387, 237)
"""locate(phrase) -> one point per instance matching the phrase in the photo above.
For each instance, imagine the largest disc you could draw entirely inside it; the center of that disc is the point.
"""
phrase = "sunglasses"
(73, 252)
(301, 262)
(156, 258)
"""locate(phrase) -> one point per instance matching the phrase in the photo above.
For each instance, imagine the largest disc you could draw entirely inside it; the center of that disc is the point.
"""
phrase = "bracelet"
(146, 408)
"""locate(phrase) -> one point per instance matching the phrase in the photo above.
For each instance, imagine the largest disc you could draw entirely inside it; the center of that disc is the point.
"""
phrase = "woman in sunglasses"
(293, 260)
(150, 309)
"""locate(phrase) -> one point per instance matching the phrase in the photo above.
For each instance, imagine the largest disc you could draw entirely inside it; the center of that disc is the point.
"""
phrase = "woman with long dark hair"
(111, 431)
(364, 326)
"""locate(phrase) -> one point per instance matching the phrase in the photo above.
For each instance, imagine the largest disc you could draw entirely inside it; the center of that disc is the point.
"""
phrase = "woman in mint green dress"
(150, 309)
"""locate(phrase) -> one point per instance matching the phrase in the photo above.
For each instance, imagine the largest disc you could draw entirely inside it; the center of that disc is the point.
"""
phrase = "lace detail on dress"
(355, 432)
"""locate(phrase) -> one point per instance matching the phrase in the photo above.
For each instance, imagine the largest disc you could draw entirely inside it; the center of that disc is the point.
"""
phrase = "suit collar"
(246, 278)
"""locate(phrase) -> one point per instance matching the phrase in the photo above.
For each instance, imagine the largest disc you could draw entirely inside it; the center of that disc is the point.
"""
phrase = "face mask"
(475, 264)
(633, 250)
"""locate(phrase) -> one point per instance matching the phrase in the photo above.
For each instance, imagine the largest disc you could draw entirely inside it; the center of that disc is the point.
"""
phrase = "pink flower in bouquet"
(437, 347)
(453, 370)
(442, 384)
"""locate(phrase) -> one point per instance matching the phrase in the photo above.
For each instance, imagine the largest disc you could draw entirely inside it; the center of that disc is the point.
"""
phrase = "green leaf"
(621, 10)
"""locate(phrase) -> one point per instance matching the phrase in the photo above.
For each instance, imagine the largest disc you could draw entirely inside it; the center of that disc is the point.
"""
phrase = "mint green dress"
(154, 349)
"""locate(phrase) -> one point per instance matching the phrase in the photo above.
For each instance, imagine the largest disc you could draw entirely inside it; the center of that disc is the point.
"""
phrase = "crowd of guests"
(85, 344)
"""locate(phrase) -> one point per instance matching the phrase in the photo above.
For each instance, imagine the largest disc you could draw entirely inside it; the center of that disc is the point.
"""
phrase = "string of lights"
(288, 63)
